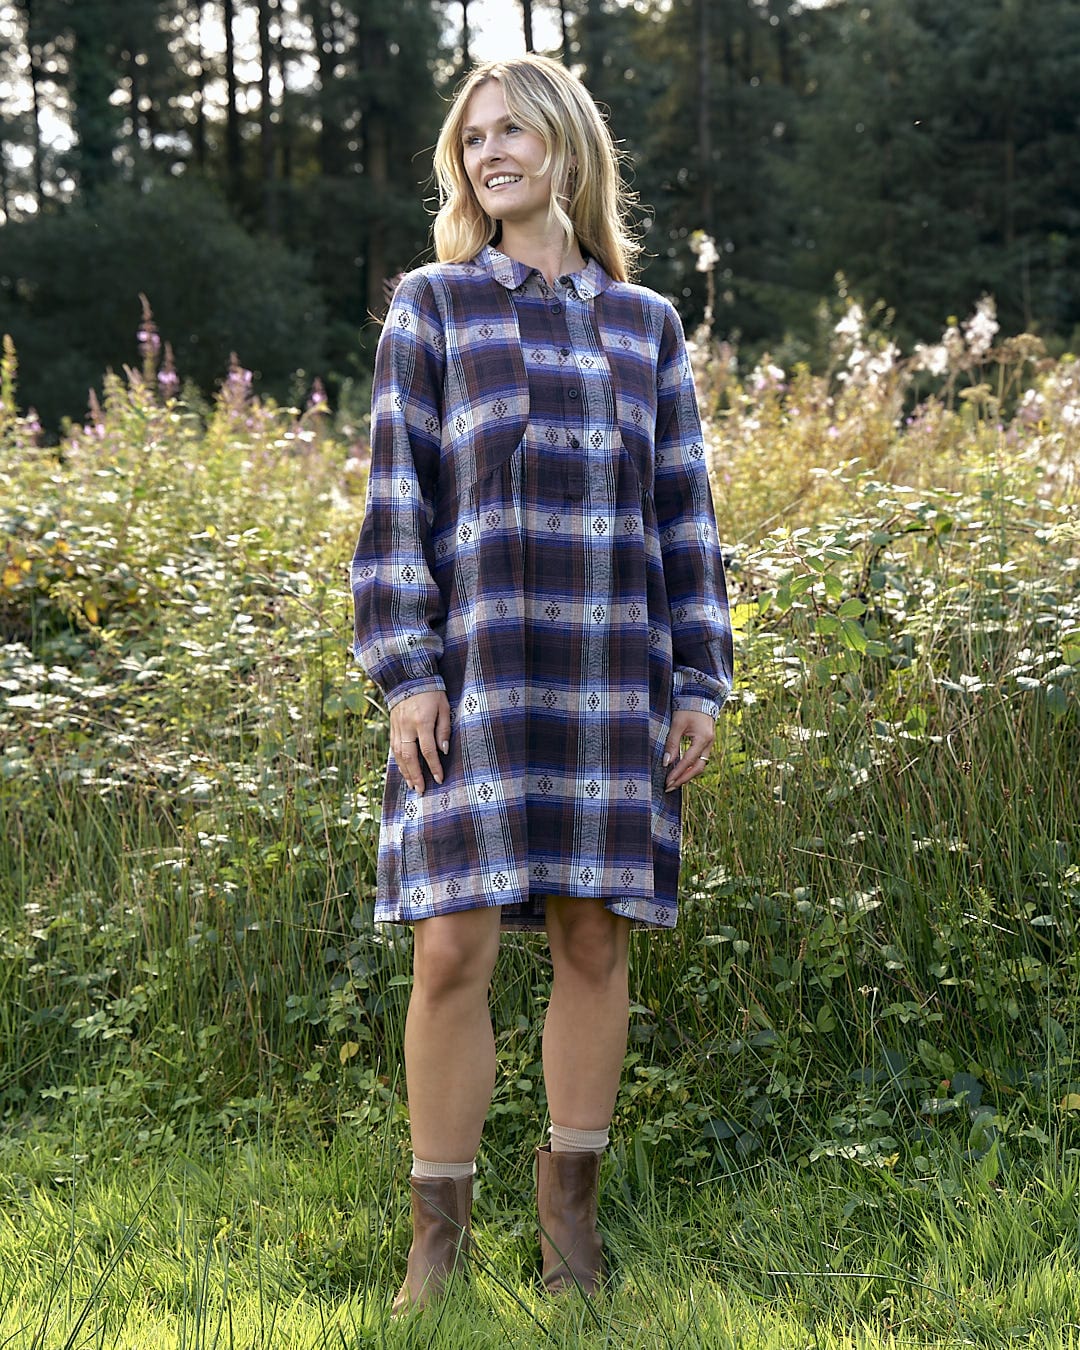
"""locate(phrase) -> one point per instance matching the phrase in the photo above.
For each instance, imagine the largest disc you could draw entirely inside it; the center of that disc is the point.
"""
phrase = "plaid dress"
(539, 542)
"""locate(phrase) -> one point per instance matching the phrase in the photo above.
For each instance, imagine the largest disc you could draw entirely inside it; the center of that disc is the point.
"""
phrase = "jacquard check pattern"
(539, 541)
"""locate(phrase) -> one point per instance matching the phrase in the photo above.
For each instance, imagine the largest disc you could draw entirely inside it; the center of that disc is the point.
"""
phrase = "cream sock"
(565, 1140)
(421, 1168)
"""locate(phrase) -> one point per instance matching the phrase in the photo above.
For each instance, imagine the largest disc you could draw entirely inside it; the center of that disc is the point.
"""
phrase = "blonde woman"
(540, 597)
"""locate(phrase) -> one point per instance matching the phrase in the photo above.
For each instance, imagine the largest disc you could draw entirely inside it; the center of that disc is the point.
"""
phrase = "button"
(556, 309)
(564, 351)
(571, 393)
(574, 442)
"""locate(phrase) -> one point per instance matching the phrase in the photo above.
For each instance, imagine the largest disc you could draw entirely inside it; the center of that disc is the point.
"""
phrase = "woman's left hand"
(698, 730)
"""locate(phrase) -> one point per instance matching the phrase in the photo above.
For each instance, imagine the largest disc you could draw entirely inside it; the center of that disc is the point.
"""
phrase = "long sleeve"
(693, 568)
(398, 611)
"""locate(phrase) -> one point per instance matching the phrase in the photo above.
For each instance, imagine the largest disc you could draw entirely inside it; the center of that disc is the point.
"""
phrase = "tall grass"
(862, 1034)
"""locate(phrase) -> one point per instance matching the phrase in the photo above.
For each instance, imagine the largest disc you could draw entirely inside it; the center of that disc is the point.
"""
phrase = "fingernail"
(667, 760)
(445, 747)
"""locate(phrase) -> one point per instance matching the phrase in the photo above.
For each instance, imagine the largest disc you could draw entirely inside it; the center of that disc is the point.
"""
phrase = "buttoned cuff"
(427, 684)
(696, 703)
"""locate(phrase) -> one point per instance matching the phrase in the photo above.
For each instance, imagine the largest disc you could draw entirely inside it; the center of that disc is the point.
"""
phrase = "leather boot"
(442, 1228)
(566, 1197)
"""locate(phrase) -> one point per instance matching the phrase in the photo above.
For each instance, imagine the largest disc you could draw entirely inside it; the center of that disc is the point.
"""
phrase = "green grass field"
(851, 1111)
(279, 1241)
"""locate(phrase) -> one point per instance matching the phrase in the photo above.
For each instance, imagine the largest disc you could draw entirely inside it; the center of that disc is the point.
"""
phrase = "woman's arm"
(693, 568)
(398, 611)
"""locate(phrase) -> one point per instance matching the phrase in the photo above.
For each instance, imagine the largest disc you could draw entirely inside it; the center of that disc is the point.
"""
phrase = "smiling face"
(505, 162)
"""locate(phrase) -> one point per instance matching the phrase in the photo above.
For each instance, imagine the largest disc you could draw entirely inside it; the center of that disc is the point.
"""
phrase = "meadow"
(851, 1112)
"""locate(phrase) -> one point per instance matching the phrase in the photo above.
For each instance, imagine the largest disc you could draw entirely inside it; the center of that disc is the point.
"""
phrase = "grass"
(851, 1107)
(272, 1242)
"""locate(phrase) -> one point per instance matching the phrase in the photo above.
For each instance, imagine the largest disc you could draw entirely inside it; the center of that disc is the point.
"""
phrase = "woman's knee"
(588, 943)
(454, 954)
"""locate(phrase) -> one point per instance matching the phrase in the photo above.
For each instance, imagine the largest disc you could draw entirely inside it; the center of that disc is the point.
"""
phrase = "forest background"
(850, 1114)
(928, 149)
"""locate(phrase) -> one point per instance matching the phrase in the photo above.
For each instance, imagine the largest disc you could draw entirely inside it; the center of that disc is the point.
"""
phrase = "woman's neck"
(546, 252)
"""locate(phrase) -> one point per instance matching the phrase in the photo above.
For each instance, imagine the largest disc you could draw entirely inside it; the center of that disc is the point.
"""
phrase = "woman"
(539, 595)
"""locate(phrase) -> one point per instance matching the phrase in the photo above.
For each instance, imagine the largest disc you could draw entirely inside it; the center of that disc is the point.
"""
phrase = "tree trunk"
(233, 154)
(750, 23)
(266, 121)
(704, 128)
(466, 56)
(133, 102)
(564, 28)
(376, 134)
(322, 23)
(590, 46)
(26, 7)
(5, 209)
(94, 117)
(284, 125)
(783, 49)
(526, 12)
(199, 134)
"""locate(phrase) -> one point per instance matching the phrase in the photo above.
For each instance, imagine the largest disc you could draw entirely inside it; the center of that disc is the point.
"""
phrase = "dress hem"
(527, 924)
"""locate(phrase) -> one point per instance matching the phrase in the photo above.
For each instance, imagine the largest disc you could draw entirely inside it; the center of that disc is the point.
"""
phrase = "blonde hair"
(590, 201)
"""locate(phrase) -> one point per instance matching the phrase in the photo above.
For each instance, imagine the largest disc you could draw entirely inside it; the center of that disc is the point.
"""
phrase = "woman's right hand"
(419, 729)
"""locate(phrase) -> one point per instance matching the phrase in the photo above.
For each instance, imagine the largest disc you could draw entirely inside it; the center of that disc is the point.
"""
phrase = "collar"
(587, 284)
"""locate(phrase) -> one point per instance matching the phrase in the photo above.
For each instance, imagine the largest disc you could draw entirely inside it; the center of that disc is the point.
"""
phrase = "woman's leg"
(450, 1073)
(584, 1049)
(449, 1044)
(588, 1014)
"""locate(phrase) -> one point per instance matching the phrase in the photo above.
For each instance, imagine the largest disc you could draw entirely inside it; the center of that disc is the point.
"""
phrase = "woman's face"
(503, 160)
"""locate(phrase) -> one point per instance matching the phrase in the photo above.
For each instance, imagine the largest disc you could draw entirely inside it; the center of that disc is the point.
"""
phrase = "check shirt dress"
(539, 542)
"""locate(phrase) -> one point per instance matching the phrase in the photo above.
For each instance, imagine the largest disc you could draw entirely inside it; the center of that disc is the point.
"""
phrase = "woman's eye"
(513, 127)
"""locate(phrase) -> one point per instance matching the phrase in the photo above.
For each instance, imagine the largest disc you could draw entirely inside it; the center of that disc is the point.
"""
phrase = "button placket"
(561, 326)
(590, 395)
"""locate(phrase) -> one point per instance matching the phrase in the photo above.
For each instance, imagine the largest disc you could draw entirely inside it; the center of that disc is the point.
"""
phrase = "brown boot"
(442, 1227)
(566, 1196)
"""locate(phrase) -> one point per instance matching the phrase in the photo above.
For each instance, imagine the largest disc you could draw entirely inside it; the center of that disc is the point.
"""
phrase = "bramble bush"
(876, 958)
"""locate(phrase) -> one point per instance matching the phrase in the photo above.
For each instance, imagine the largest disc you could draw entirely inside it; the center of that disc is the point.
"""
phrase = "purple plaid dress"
(539, 542)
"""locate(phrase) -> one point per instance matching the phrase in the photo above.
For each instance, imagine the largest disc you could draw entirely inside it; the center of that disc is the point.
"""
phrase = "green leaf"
(720, 1129)
(747, 1143)
(969, 1086)
(916, 721)
(741, 614)
(852, 635)
(1057, 700)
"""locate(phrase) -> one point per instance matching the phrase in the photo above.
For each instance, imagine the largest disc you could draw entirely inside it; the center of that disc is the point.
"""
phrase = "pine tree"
(938, 159)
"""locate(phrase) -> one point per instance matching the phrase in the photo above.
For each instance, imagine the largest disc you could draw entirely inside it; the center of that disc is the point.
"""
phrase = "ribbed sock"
(422, 1168)
(565, 1140)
